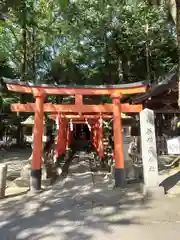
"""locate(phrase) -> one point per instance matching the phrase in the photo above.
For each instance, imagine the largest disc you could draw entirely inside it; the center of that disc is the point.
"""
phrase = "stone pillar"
(118, 142)
(149, 152)
(3, 176)
(35, 180)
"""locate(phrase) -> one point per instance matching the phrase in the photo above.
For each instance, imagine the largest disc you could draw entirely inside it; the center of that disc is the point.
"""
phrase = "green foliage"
(85, 42)
(107, 41)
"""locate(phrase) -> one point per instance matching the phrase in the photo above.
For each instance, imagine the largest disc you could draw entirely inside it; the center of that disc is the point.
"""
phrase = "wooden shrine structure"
(162, 98)
(77, 112)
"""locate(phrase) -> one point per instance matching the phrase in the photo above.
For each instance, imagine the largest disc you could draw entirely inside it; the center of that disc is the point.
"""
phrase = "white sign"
(148, 146)
(29, 139)
(173, 146)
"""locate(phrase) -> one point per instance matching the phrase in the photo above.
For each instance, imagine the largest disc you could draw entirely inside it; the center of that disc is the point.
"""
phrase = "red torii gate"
(78, 109)
(65, 134)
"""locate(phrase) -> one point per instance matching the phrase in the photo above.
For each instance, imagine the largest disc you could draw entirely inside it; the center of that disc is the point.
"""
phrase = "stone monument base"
(152, 193)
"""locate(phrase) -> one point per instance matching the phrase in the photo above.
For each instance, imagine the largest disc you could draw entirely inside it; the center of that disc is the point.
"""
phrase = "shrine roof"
(156, 89)
(105, 86)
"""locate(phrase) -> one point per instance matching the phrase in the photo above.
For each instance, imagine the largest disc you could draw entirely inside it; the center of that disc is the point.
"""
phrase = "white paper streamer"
(57, 122)
(89, 126)
(71, 125)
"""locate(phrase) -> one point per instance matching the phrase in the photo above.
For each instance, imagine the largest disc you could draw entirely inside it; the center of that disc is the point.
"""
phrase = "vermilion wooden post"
(100, 141)
(118, 142)
(92, 135)
(78, 99)
(35, 180)
(61, 138)
(65, 129)
(96, 136)
(69, 137)
(58, 145)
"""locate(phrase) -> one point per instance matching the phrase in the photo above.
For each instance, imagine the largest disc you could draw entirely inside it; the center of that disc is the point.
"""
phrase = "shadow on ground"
(76, 208)
(74, 213)
(72, 210)
(170, 182)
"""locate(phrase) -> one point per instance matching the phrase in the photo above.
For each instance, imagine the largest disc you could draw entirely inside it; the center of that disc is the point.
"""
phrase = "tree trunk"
(147, 53)
(33, 40)
(126, 67)
(178, 44)
(24, 68)
(24, 38)
(59, 99)
(19, 135)
(120, 70)
(34, 53)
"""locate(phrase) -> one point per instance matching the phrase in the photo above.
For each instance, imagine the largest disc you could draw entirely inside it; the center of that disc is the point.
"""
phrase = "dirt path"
(77, 209)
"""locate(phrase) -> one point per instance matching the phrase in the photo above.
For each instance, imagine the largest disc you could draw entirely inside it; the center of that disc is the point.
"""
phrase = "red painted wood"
(73, 91)
(69, 109)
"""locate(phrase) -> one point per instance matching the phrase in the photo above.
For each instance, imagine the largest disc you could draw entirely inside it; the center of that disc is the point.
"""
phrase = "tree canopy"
(86, 41)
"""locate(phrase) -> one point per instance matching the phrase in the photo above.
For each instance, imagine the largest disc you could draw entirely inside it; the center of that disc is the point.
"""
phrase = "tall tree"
(173, 7)
(97, 41)
(178, 42)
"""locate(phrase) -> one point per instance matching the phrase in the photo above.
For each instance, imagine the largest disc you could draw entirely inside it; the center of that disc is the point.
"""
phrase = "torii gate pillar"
(118, 142)
(35, 180)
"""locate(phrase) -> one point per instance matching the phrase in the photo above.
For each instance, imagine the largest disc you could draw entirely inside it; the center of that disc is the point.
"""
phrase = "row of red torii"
(77, 112)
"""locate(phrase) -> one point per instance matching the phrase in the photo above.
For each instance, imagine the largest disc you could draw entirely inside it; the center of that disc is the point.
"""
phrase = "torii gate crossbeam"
(62, 108)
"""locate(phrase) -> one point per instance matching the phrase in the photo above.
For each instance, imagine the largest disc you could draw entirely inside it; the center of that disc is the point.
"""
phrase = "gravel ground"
(15, 158)
(75, 208)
